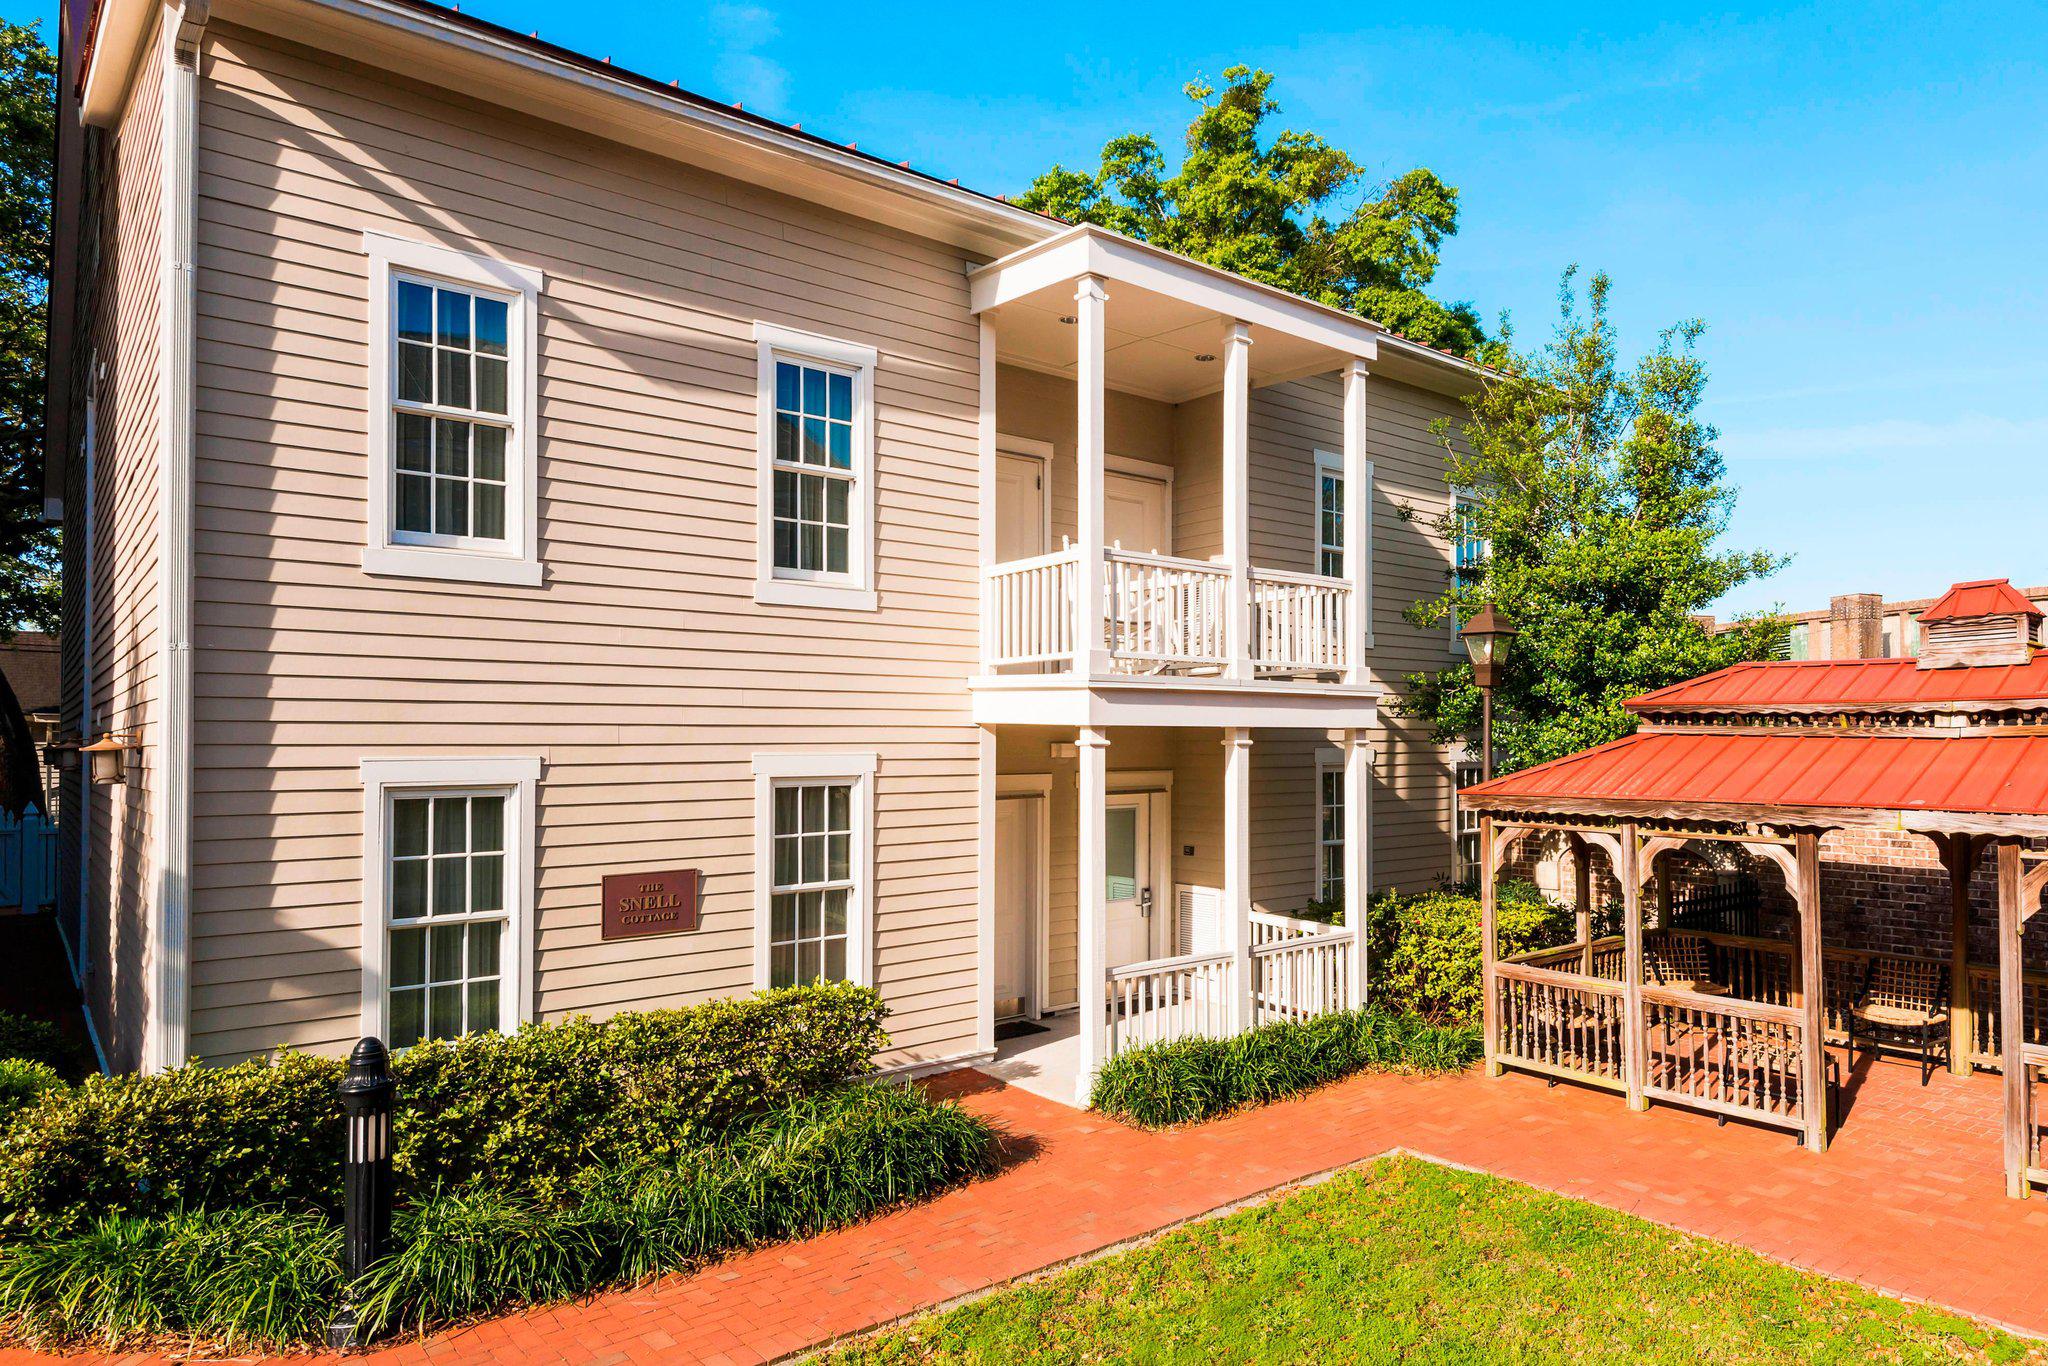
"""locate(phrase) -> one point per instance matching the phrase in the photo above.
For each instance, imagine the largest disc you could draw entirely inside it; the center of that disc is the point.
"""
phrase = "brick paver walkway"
(1909, 1200)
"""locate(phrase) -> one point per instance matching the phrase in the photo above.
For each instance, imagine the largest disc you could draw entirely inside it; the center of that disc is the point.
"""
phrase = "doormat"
(1017, 1029)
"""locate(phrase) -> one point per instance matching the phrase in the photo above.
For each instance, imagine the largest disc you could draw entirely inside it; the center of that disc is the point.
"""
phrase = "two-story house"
(539, 541)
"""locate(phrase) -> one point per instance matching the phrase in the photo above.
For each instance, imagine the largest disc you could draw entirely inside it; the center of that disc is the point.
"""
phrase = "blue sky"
(1855, 200)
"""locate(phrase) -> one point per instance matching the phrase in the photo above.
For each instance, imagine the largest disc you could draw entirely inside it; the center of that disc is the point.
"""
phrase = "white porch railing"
(1301, 977)
(1163, 613)
(1027, 610)
(1298, 622)
(1166, 612)
(1169, 998)
(1268, 928)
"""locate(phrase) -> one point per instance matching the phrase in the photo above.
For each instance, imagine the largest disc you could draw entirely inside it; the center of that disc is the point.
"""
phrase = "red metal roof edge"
(1495, 786)
(1673, 696)
(1981, 598)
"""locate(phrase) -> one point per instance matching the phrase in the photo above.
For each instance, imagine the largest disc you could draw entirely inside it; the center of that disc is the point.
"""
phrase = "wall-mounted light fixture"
(109, 756)
(60, 752)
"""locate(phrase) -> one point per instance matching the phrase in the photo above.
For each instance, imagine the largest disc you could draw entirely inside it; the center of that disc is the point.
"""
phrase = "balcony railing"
(1164, 615)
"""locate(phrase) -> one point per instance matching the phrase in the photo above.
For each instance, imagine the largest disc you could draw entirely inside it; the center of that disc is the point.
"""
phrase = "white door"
(1136, 513)
(1128, 892)
(1016, 966)
(1020, 507)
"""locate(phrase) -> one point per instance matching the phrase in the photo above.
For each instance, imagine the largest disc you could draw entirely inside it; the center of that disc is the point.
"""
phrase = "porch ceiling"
(1163, 312)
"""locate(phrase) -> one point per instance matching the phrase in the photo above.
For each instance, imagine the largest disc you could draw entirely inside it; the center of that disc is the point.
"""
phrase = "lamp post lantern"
(1487, 637)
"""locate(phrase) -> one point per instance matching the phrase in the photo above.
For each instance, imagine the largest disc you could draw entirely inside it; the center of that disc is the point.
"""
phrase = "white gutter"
(168, 1037)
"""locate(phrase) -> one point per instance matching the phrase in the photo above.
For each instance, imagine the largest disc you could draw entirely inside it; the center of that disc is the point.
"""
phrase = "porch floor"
(1910, 1200)
(1047, 1064)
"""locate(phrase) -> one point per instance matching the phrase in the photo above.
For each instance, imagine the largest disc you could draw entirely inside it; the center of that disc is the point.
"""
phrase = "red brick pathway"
(1910, 1170)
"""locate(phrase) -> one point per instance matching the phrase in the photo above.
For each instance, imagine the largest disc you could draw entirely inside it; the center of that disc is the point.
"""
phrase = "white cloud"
(740, 32)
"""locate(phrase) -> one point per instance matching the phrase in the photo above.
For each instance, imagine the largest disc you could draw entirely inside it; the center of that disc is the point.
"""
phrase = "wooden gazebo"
(1771, 757)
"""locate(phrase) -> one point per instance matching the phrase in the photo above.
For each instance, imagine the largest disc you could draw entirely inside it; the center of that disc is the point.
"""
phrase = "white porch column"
(1237, 871)
(1092, 932)
(1357, 852)
(1090, 658)
(1237, 523)
(1357, 524)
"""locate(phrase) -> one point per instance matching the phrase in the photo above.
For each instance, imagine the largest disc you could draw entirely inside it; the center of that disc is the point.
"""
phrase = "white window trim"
(1461, 760)
(855, 589)
(515, 776)
(1460, 496)
(1328, 761)
(519, 564)
(857, 769)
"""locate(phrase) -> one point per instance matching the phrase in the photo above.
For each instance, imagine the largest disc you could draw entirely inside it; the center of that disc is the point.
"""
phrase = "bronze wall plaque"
(637, 904)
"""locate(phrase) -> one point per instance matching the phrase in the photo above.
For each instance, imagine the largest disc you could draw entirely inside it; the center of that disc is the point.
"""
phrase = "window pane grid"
(812, 883)
(814, 468)
(1330, 834)
(452, 412)
(448, 915)
(1330, 526)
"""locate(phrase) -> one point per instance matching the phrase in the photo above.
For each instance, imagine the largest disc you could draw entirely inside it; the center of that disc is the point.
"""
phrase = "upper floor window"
(452, 478)
(1468, 552)
(817, 481)
(1329, 515)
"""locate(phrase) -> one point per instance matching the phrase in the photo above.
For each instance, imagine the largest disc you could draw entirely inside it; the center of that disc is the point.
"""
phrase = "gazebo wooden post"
(1582, 900)
(1489, 1010)
(1813, 1053)
(1959, 852)
(1634, 1031)
(2019, 1095)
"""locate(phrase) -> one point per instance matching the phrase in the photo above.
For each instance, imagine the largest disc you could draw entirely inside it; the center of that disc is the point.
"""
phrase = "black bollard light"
(367, 1095)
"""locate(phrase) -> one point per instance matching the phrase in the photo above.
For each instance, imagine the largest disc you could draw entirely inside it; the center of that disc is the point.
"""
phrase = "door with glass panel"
(448, 914)
(1128, 893)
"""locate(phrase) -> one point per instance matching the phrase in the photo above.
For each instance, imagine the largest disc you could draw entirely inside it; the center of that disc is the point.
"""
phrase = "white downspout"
(170, 789)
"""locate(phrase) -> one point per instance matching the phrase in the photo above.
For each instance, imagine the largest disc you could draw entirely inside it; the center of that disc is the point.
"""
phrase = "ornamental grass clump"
(1189, 1080)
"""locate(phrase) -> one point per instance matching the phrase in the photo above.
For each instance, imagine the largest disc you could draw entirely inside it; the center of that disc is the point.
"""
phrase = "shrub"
(21, 1081)
(1424, 950)
(526, 1112)
(40, 1041)
(264, 1133)
(819, 1162)
(250, 1278)
(1189, 1080)
(520, 1113)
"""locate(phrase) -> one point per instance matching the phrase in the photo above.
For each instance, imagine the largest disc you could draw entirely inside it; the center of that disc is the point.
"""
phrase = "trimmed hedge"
(1424, 950)
(21, 1081)
(521, 1114)
(1189, 1080)
(40, 1041)
(265, 1279)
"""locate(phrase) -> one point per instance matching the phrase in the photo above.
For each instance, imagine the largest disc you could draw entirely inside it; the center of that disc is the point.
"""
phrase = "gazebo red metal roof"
(1823, 683)
(1982, 598)
(1982, 773)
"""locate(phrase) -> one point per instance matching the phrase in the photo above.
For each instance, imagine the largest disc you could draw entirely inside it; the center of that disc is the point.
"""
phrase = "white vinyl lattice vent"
(1197, 918)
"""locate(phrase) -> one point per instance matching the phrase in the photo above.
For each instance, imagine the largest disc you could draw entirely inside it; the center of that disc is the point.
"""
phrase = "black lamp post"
(1487, 637)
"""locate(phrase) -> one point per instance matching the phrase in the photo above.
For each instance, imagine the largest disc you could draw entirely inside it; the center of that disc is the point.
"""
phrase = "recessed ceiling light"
(1068, 319)
(1205, 357)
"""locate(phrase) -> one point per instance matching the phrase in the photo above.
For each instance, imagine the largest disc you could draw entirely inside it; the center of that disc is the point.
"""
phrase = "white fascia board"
(116, 46)
(1023, 700)
(1089, 250)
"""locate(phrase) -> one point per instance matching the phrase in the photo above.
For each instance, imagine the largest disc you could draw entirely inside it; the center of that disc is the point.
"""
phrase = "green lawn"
(1408, 1260)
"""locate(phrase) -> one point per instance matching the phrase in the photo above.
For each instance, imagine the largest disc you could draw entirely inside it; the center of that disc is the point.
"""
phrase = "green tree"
(28, 123)
(1599, 495)
(1273, 211)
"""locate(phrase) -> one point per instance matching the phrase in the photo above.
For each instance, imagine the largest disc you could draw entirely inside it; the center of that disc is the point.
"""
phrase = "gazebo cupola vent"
(1988, 622)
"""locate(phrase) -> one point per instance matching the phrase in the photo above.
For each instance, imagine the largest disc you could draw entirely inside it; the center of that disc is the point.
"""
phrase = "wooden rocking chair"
(1903, 1004)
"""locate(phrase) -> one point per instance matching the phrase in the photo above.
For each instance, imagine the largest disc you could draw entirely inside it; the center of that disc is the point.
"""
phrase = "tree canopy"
(1599, 499)
(28, 122)
(1274, 209)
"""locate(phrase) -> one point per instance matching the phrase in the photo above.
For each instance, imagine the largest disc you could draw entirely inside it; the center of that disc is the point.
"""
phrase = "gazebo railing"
(1560, 1023)
(1727, 1056)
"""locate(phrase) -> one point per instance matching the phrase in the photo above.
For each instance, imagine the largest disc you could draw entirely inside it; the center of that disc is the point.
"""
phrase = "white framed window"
(813, 851)
(816, 456)
(1464, 822)
(452, 477)
(1330, 514)
(447, 887)
(1330, 827)
(1469, 550)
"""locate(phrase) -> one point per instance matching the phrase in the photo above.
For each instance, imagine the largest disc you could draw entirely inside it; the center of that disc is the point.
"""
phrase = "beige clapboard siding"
(127, 330)
(642, 671)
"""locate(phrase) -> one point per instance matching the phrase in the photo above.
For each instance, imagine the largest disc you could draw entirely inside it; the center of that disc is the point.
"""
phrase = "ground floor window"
(1330, 834)
(1465, 822)
(812, 841)
(447, 874)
